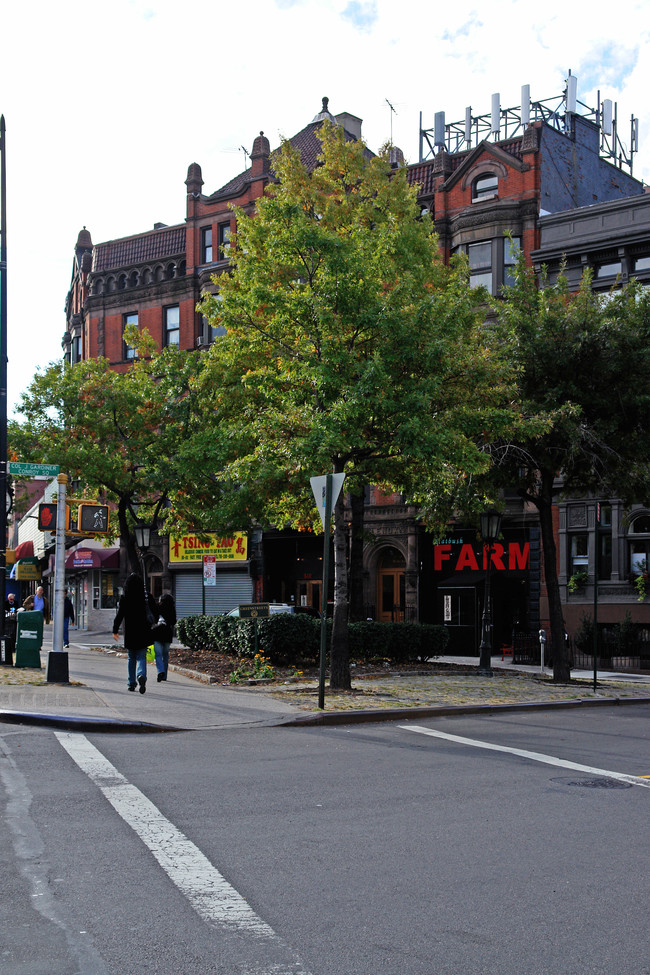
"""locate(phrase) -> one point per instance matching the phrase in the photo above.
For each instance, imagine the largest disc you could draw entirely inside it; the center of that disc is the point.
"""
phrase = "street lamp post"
(143, 540)
(490, 527)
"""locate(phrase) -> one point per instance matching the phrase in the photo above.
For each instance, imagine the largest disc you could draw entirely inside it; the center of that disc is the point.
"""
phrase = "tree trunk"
(558, 647)
(357, 504)
(339, 653)
(126, 538)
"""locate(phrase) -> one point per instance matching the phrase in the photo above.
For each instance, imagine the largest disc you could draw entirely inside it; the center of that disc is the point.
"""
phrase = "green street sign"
(33, 470)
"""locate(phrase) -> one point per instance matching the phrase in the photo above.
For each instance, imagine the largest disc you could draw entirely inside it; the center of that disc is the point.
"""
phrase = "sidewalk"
(97, 699)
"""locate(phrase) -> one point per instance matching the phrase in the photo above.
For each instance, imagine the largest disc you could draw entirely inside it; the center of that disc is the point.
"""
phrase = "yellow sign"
(28, 570)
(190, 548)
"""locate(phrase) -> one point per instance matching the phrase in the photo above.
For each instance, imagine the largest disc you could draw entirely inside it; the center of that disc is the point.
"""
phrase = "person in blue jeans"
(132, 610)
(68, 617)
(163, 633)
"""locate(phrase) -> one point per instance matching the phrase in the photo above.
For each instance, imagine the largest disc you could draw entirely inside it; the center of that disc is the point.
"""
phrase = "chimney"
(260, 156)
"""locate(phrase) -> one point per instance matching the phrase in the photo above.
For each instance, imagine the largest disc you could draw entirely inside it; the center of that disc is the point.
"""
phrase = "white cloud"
(106, 105)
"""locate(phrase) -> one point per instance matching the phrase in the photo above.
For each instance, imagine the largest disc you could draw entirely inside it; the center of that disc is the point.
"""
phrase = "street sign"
(33, 470)
(319, 487)
(209, 570)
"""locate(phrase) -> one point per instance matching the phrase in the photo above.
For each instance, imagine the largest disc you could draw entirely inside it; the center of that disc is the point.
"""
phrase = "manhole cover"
(594, 782)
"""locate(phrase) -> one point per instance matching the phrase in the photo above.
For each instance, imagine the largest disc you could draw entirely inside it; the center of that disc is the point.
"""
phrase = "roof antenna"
(246, 156)
(392, 112)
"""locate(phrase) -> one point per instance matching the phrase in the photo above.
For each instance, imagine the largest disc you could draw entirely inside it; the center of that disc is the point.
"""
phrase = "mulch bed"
(220, 667)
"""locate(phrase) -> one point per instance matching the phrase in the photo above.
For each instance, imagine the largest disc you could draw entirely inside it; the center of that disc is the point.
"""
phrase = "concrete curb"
(77, 722)
(450, 710)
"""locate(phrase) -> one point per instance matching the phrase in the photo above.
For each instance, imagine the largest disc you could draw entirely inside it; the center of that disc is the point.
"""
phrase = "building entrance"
(391, 587)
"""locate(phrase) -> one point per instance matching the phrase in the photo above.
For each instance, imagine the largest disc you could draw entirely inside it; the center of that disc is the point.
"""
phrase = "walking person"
(163, 633)
(132, 609)
(38, 601)
(68, 617)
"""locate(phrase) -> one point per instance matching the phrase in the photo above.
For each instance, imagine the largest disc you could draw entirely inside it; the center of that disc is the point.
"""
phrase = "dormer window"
(485, 187)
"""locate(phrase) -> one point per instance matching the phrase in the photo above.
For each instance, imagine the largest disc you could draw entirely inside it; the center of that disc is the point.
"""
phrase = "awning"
(24, 551)
(93, 558)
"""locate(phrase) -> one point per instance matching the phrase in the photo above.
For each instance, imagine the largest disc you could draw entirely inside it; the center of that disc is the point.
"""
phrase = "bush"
(286, 639)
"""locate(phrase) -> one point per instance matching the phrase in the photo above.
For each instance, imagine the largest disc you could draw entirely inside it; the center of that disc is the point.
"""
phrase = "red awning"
(93, 558)
(24, 551)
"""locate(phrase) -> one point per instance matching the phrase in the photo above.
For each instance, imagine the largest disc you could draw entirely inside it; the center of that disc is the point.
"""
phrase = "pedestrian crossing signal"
(47, 516)
(92, 519)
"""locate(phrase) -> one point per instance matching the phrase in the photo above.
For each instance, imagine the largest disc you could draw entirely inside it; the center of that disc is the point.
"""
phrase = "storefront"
(455, 579)
(92, 579)
(211, 575)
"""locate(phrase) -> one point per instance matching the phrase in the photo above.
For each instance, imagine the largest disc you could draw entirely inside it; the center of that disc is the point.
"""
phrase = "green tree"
(116, 434)
(350, 348)
(584, 366)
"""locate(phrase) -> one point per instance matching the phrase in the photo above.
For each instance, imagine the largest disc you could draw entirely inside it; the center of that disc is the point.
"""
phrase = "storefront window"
(105, 590)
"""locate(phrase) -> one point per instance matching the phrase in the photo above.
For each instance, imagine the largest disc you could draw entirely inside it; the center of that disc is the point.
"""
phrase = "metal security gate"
(231, 589)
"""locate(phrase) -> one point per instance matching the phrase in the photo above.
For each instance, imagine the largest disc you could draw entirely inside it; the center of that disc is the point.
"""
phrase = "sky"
(107, 104)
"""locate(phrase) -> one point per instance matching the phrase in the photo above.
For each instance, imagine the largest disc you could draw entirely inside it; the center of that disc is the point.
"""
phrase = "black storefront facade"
(452, 586)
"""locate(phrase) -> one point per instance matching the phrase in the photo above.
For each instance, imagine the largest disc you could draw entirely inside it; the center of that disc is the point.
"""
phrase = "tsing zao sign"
(190, 548)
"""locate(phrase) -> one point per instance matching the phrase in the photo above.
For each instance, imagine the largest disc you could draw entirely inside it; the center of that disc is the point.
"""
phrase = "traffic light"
(92, 519)
(47, 516)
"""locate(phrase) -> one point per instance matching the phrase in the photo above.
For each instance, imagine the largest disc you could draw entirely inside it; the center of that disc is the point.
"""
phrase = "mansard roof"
(157, 244)
(308, 144)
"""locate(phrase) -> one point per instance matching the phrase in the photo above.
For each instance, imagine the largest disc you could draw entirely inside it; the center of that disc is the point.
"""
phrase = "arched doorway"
(390, 586)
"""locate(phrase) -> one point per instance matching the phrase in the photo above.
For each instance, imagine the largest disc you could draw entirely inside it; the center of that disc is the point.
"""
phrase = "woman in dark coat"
(164, 633)
(137, 629)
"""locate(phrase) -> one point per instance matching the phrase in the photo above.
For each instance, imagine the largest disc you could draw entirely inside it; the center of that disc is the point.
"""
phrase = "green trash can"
(29, 639)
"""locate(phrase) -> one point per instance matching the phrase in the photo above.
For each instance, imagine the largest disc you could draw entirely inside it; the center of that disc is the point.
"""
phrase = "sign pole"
(57, 660)
(326, 572)
(59, 564)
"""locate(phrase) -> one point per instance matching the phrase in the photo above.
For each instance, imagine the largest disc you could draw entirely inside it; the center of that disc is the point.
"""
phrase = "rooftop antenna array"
(502, 124)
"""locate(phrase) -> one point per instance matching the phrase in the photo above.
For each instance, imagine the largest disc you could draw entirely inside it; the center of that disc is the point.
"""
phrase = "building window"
(642, 264)
(511, 250)
(128, 352)
(224, 240)
(485, 187)
(639, 545)
(491, 262)
(206, 245)
(75, 351)
(480, 264)
(579, 553)
(172, 326)
(609, 270)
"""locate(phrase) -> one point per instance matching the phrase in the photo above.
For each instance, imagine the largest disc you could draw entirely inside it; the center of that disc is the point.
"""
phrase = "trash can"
(29, 639)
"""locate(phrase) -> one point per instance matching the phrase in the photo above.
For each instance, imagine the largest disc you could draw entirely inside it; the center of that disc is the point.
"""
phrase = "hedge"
(287, 639)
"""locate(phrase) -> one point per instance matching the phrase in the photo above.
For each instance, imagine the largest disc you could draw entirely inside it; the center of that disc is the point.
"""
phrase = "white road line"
(533, 756)
(209, 893)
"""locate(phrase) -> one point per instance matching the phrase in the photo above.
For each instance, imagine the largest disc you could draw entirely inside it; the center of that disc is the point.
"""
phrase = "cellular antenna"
(392, 112)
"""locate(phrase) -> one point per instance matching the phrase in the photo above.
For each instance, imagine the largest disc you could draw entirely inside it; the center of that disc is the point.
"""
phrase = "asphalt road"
(351, 850)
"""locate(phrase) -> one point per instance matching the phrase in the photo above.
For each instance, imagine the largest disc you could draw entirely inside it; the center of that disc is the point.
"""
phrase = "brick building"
(480, 180)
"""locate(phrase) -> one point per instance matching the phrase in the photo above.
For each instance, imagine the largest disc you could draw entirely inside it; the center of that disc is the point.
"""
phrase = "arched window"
(639, 544)
(485, 186)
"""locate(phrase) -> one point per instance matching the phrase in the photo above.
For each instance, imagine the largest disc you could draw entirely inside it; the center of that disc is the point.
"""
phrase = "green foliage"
(285, 639)
(117, 434)
(578, 580)
(583, 365)
(349, 344)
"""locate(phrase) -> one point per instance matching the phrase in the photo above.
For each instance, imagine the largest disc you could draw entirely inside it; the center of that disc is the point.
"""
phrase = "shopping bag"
(151, 655)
